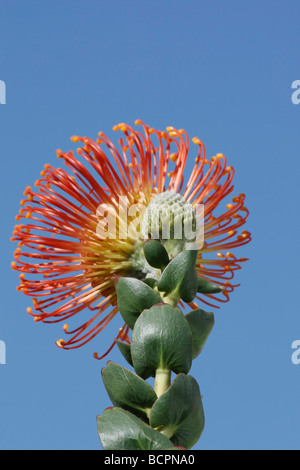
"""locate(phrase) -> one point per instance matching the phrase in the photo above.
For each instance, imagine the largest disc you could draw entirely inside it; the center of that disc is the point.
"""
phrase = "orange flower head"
(68, 259)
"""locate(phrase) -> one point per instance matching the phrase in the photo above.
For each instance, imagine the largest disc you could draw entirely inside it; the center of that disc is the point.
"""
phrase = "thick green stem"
(171, 300)
(162, 380)
(168, 431)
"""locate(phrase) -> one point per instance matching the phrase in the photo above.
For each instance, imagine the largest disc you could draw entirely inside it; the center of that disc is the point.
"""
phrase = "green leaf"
(121, 430)
(134, 296)
(179, 279)
(201, 324)
(156, 254)
(161, 338)
(180, 411)
(207, 287)
(127, 390)
(125, 350)
(150, 282)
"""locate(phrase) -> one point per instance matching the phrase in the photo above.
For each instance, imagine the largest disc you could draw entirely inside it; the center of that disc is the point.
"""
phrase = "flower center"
(170, 219)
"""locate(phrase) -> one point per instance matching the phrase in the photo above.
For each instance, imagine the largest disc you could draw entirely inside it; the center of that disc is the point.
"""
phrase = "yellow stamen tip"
(27, 190)
(174, 157)
(75, 138)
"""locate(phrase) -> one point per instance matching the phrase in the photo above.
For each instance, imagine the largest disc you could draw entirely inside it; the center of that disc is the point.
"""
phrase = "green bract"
(156, 254)
(150, 282)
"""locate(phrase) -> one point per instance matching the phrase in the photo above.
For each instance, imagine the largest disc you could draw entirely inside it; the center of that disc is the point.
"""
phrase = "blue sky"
(221, 70)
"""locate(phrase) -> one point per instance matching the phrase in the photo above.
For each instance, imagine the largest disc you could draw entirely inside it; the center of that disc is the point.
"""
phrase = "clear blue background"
(223, 71)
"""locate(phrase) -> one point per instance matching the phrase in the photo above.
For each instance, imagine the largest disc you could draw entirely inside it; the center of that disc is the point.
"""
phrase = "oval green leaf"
(124, 348)
(207, 287)
(201, 324)
(121, 430)
(179, 279)
(134, 296)
(161, 338)
(156, 254)
(180, 411)
(127, 390)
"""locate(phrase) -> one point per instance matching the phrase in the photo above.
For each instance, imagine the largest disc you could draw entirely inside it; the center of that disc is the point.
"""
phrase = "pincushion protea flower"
(67, 268)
